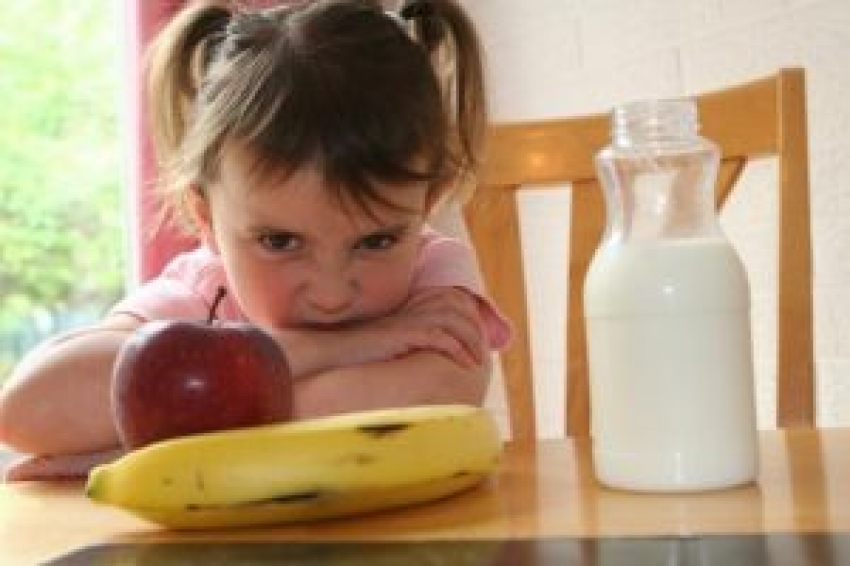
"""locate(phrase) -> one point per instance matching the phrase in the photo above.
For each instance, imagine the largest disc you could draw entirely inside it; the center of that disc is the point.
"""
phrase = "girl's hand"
(445, 319)
(57, 466)
(442, 319)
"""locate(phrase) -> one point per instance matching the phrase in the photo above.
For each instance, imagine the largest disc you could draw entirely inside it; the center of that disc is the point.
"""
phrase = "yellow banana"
(311, 469)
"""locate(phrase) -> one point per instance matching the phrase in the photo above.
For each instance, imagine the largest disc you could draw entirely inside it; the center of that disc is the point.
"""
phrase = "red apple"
(174, 378)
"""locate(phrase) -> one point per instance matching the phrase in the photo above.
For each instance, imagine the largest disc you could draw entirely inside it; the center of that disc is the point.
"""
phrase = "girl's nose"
(331, 293)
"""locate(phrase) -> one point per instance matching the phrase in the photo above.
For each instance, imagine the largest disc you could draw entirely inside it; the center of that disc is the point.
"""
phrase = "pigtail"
(447, 34)
(177, 61)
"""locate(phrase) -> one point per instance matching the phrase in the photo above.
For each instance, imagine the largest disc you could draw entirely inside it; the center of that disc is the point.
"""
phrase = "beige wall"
(563, 57)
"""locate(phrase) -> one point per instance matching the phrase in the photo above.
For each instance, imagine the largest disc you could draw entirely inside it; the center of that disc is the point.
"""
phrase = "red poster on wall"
(153, 244)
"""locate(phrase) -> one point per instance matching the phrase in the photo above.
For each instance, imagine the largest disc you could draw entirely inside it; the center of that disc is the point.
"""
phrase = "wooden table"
(542, 490)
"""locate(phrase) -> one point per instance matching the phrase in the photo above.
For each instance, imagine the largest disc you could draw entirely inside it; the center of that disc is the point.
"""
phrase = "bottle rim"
(654, 120)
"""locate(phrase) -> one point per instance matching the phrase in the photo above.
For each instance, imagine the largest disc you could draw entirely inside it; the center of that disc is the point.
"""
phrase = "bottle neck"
(661, 123)
(658, 173)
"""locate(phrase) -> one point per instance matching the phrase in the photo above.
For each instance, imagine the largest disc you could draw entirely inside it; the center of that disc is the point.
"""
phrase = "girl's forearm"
(309, 352)
(419, 378)
(57, 399)
(303, 351)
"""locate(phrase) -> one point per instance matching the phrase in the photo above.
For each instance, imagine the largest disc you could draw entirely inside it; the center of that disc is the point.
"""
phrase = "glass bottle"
(667, 309)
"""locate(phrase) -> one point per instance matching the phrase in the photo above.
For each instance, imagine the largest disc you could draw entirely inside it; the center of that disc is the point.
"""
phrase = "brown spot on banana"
(381, 430)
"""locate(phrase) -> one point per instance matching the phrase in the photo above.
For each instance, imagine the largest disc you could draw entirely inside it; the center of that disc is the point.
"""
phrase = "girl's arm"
(446, 320)
(420, 378)
(431, 351)
(57, 399)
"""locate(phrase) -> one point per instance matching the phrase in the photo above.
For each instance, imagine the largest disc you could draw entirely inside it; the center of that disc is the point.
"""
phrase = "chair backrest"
(764, 118)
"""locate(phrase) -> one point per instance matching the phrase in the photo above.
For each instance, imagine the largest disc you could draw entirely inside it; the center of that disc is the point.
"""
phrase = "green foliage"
(61, 214)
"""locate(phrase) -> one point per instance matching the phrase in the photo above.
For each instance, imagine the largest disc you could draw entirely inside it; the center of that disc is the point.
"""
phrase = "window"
(62, 243)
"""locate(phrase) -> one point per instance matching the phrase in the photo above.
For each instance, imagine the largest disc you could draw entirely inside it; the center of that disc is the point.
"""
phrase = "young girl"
(306, 145)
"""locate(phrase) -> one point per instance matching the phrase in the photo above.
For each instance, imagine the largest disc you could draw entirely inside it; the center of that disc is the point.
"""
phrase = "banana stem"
(219, 296)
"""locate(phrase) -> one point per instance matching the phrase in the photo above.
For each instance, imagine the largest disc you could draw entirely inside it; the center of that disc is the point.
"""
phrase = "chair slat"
(795, 364)
(493, 222)
(586, 226)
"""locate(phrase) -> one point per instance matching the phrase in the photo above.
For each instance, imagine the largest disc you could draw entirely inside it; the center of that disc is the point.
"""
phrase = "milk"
(671, 367)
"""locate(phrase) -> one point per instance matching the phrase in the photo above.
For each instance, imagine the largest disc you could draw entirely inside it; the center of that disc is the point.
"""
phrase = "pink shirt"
(188, 285)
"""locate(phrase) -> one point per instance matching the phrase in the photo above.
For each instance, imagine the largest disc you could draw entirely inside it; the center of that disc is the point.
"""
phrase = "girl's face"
(295, 258)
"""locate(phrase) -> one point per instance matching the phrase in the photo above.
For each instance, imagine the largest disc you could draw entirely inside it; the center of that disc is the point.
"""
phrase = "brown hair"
(364, 94)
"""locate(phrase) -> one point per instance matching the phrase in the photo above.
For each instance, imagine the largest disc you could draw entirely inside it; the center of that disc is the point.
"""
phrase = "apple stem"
(219, 296)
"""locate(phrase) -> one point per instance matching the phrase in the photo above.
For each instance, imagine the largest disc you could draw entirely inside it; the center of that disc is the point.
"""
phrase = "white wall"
(564, 57)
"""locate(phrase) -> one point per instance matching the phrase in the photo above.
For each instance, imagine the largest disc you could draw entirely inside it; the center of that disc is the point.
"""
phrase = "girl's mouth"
(329, 326)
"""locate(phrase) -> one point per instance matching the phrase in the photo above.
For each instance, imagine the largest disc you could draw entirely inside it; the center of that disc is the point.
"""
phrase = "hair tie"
(412, 9)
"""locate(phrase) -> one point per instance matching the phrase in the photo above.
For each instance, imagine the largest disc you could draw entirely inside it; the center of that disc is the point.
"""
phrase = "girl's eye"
(378, 242)
(280, 242)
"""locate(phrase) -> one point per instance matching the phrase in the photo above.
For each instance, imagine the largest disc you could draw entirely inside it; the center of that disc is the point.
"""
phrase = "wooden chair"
(763, 118)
